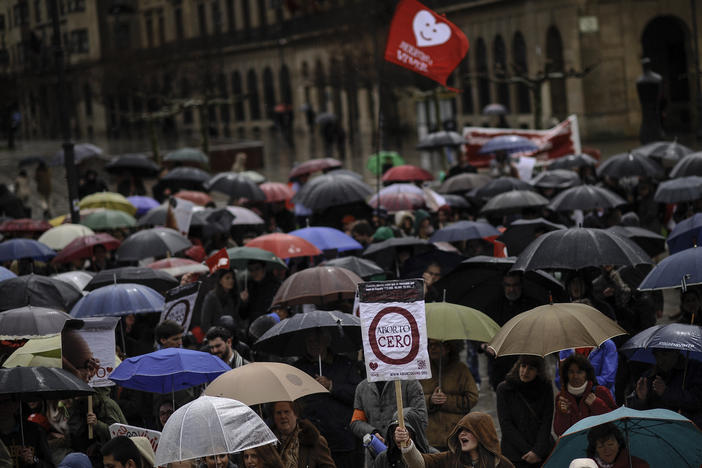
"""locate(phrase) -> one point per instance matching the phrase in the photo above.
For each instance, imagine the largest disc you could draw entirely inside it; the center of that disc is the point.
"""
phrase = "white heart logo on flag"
(427, 31)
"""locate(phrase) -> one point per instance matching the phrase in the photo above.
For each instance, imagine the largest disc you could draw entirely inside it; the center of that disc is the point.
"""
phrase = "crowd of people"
(355, 423)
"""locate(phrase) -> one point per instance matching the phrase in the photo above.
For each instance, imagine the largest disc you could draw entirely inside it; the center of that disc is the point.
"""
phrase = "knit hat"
(145, 449)
(383, 233)
(75, 460)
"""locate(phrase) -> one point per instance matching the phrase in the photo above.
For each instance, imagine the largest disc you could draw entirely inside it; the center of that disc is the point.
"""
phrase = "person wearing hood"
(392, 457)
(404, 220)
(525, 410)
(472, 443)
(422, 225)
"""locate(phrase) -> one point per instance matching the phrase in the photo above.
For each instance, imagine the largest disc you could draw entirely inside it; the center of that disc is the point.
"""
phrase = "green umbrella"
(108, 219)
(446, 321)
(376, 161)
(239, 257)
(193, 155)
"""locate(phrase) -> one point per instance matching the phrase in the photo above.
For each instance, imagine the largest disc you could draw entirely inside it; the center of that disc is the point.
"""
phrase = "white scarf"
(577, 391)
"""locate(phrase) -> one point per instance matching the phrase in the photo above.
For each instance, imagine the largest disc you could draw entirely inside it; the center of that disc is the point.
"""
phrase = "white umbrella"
(209, 426)
(77, 278)
(244, 216)
(62, 235)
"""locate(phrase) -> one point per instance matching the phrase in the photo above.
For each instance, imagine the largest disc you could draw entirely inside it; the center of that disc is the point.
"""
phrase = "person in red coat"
(580, 395)
(607, 446)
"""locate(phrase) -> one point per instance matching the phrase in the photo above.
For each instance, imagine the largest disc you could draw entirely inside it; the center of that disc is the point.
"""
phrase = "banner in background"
(180, 304)
(118, 429)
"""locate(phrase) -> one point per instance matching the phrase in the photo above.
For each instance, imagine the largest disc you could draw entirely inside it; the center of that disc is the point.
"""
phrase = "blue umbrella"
(14, 249)
(464, 230)
(685, 234)
(661, 437)
(117, 300)
(142, 204)
(6, 274)
(682, 268)
(168, 370)
(509, 144)
(677, 336)
(326, 238)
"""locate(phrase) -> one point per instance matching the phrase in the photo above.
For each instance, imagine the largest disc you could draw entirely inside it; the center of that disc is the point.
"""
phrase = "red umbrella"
(199, 198)
(407, 173)
(398, 201)
(196, 252)
(82, 247)
(276, 192)
(313, 165)
(285, 245)
(24, 225)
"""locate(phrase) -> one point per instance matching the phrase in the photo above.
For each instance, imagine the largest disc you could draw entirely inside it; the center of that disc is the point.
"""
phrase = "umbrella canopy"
(244, 216)
(109, 200)
(77, 278)
(498, 186)
(276, 192)
(675, 336)
(690, 165)
(578, 248)
(210, 426)
(60, 236)
(41, 383)
(184, 177)
(554, 327)
(155, 242)
(235, 185)
(401, 188)
(364, 268)
(24, 225)
(108, 219)
(463, 183)
(176, 266)
(629, 165)
(256, 177)
(38, 291)
(264, 382)
(239, 257)
(197, 197)
(652, 243)
(15, 249)
(585, 197)
(385, 253)
(407, 173)
(331, 190)
(155, 279)
(680, 269)
(287, 337)
(398, 201)
(284, 245)
(376, 161)
(556, 179)
(522, 232)
(82, 247)
(6, 274)
(168, 370)
(684, 235)
(495, 109)
(139, 164)
(313, 165)
(446, 321)
(666, 152)
(659, 436)
(682, 189)
(456, 201)
(190, 155)
(326, 238)
(318, 285)
(117, 300)
(442, 139)
(572, 161)
(508, 143)
(155, 216)
(81, 152)
(37, 352)
(31, 322)
(142, 204)
(514, 201)
(464, 230)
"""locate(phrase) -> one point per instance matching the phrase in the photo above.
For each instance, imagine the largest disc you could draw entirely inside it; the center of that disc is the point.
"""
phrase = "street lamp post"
(693, 9)
(68, 153)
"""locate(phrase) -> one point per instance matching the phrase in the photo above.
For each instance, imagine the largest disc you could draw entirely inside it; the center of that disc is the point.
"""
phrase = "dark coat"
(260, 297)
(313, 451)
(218, 303)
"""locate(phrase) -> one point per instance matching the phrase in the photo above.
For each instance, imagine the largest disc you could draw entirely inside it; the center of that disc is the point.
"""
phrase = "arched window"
(519, 59)
(238, 96)
(467, 106)
(268, 92)
(499, 52)
(554, 64)
(481, 68)
(254, 103)
(285, 88)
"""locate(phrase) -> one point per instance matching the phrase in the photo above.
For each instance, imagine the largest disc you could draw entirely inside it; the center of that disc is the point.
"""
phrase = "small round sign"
(402, 335)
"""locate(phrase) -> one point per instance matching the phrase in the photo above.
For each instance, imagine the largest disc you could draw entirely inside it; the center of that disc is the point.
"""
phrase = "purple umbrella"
(143, 204)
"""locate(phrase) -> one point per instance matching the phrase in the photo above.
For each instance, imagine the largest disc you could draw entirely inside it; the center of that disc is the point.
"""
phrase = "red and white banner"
(424, 41)
(394, 330)
(118, 429)
(561, 140)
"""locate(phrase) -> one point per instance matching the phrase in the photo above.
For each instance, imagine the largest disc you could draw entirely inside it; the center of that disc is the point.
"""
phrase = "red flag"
(424, 41)
(218, 261)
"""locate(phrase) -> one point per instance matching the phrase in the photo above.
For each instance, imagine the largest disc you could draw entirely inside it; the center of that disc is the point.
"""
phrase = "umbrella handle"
(90, 410)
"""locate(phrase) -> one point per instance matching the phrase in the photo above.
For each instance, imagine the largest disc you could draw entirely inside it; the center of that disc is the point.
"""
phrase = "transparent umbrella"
(209, 426)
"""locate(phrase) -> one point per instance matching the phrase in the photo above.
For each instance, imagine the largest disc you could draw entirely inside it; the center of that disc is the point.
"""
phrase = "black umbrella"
(456, 201)
(572, 161)
(477, 283)
(185, 178)
(362, 267)
(154, 242)
(462, 183)
(556, 179)
(38, 291)
(385, 253)
(212, 221)
(495, 109)
(442, 139)
(498, 186)
(81, 152)
(652, 243)
(522, 232)
(155, 279)
(629, 165)
(31, 322)
(324, 118)
(688, 166)
(682, 189)
(578, 248)
(154, 217)
(236, 186)
(41, 383)
(513, 202)
(585, 197)
(664, 151)
(331, 190)
(139, 164)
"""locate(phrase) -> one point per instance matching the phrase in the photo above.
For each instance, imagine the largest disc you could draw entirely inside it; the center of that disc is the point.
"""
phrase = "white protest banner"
(179, 304)
(88, 349)
(394, 330)
(183, 212)
(118, 429)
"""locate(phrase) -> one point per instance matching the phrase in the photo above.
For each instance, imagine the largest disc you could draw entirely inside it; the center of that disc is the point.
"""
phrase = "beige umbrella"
(318, 285)
(264, 382)
(554, 327)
